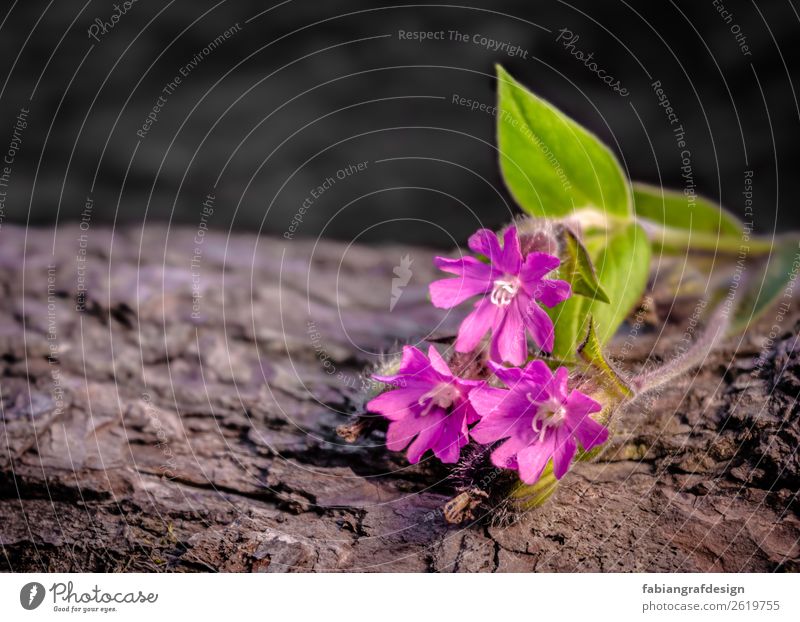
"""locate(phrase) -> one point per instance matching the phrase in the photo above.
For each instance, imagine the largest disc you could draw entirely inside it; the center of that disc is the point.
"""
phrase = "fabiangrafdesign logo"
(31, 595)
(402, 277)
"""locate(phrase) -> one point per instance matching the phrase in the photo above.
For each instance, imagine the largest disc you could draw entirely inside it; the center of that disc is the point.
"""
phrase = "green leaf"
(623, 266)
(577, 268)
(552, 165)
(669, 208)
(567, 320)
(767, 282)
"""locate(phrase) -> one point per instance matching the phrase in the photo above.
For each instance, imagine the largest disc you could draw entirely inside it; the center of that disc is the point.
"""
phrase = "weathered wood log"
(180, 414)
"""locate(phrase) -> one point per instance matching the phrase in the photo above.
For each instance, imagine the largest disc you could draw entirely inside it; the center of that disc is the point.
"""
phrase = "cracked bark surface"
(136, 437)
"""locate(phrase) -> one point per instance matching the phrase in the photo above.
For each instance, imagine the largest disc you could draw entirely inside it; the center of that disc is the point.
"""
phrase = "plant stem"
(673, 240)
(680, 241)
(715, 330)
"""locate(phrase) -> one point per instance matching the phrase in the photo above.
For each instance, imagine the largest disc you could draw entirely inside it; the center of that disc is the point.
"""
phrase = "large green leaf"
(567, 319)
(669, 208)
(552, 165)
(622, 266)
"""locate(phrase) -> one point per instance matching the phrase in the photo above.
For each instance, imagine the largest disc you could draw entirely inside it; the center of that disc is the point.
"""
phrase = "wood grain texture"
(135, 437)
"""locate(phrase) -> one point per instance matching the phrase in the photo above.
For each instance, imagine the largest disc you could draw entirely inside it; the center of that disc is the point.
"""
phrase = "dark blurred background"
(299, 90)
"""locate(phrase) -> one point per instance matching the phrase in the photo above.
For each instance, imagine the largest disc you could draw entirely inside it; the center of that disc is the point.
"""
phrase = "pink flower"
(539, 416)
(511, 291)
(430, 404)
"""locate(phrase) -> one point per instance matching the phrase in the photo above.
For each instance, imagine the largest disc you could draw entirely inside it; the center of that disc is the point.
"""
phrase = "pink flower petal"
(400, 432)
(485, 242)
(558, 388)
(394, 404)
(413, 360)
(468, 267)
(414, 370)
(438, 363)
(536, 266)
(589, 432)
(563, 451)
(486, 400)
(534, 458)
(428, 435)
(540, 326)
(551, 292)
(579, 405)
(510, 376)
(475, 325)
(497, 326)
(510, 337)
(507, 455)
(448, 293)
(502, 424)
(537, 372)
(512, 256)
(452, 438)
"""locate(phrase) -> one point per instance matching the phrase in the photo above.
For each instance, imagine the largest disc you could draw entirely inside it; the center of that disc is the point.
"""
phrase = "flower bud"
(537, 236)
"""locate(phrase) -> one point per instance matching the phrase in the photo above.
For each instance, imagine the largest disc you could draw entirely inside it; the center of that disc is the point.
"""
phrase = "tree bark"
(181, 416)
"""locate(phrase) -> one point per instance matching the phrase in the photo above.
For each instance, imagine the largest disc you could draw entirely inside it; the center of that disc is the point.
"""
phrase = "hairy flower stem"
(716, 329)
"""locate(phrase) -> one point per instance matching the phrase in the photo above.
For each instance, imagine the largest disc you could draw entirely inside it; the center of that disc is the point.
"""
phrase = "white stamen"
(550, 414)
(442, 395)
(504, 291)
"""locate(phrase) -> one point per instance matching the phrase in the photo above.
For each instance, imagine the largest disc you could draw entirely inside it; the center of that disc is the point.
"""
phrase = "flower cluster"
(535, 417)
